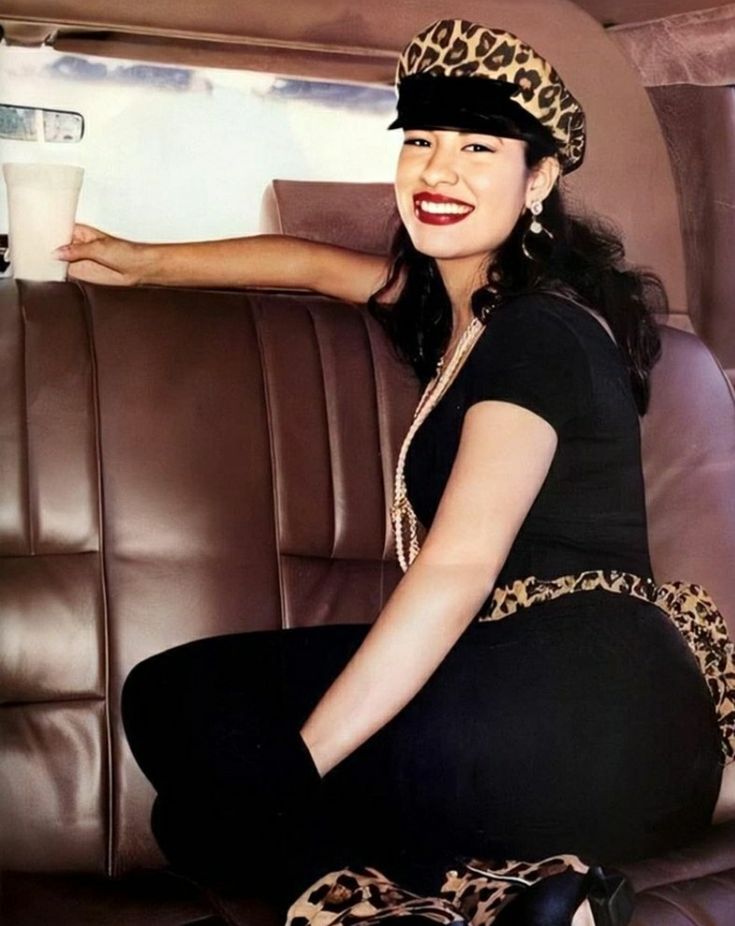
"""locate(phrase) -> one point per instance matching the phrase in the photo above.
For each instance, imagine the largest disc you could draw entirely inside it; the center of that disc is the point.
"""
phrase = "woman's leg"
(570, 727)
(580, 726)
(214, 726)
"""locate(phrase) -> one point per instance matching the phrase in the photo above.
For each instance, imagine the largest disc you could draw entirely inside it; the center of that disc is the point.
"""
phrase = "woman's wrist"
(150, 264)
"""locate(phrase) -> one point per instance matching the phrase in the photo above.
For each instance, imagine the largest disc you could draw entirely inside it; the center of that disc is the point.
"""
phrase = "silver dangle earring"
(535, 227)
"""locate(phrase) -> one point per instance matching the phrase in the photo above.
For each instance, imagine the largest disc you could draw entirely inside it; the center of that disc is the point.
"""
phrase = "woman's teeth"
(443, 208)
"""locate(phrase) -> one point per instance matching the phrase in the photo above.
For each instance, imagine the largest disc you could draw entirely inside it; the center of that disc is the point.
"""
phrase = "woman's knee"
(143, 688)
(153, 708)
(164, 679)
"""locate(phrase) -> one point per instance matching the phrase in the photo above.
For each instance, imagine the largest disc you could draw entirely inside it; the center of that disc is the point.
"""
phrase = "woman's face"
(486, 174)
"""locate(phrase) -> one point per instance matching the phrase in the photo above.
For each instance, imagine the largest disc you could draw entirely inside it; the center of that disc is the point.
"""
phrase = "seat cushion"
(153, 898)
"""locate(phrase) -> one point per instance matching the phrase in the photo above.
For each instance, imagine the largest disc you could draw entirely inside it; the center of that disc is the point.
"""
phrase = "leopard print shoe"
(548, 892)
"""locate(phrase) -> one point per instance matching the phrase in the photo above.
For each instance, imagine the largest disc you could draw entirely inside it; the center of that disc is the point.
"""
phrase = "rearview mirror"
(27, 123)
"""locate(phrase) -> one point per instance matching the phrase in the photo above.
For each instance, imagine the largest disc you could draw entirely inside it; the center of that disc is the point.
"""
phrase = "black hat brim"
(463, 104)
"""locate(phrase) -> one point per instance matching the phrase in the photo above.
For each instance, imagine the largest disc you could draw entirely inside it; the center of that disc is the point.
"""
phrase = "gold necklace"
(401, 509)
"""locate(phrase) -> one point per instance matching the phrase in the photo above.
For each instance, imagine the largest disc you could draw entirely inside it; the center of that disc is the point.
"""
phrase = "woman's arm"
(256, 260)
(504, 455)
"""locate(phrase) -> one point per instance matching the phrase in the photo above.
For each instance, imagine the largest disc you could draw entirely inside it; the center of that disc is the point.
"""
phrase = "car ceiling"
(328, 38)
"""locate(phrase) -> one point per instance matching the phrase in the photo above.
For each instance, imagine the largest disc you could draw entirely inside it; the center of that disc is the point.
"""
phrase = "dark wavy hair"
(585, 262)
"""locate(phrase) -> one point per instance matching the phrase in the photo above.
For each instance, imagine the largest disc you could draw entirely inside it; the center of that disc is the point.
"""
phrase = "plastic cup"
(42, 206)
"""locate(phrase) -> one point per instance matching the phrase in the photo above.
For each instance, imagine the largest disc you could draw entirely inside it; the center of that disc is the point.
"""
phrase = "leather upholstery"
(182, 463)
(155, 449)
(359, 215)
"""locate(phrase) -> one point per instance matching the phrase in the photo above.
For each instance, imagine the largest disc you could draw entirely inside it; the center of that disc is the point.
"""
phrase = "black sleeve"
(530, 356)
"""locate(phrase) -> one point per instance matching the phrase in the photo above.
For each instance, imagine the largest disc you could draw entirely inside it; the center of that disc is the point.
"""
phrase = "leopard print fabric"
(689, 606)
(458, 47)
(364, 896)
(473, 893)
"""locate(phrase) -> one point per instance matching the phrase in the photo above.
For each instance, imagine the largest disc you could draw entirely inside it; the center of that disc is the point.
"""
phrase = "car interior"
(183, 462)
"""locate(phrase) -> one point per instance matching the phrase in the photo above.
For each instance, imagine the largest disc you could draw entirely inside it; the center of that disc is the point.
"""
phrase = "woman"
(489, 713)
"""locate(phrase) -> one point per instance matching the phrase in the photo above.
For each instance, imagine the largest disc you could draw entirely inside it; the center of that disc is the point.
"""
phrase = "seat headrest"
(362, 216)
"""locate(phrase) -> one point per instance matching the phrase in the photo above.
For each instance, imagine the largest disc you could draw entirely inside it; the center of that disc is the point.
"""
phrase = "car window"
(183, 154)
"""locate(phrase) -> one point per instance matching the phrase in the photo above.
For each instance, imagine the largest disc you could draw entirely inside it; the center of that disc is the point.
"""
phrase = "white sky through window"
(175, 154)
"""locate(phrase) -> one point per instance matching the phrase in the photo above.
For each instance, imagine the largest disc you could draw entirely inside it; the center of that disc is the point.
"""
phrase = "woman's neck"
(461, 277)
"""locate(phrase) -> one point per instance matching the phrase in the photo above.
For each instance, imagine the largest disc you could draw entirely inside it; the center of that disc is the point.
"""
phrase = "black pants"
(581, 725)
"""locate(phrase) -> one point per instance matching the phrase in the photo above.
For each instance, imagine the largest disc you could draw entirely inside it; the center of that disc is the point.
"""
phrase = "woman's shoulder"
(552, 314)
(535, 316)
(532, 354)
(535, 329)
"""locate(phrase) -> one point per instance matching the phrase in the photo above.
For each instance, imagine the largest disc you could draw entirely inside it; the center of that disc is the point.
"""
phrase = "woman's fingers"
(91, 272)
(110, 253)
(83, 232)
(85, 250)
(97, 257)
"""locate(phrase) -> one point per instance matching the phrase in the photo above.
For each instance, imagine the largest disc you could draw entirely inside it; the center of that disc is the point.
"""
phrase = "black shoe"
(554, 900)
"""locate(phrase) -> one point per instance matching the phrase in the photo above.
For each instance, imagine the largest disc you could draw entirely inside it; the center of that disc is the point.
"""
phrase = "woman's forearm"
(424, 617)
(255, 260)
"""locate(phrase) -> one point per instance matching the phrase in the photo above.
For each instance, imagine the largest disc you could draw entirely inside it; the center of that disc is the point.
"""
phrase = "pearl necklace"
(401, 508)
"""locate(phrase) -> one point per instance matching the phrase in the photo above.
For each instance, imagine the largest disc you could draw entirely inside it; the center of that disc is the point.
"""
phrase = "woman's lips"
(439, 217)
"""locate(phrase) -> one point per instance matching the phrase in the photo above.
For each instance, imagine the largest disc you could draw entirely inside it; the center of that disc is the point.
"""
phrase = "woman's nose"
(440, 166)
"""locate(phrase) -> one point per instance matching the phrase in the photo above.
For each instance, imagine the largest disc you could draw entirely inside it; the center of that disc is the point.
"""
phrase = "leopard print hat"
(515, 83)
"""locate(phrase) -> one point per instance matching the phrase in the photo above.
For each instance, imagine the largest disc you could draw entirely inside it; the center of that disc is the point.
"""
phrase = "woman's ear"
(545, 175)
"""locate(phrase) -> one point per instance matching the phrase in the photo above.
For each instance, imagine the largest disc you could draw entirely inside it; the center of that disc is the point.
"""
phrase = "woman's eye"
(425, 141)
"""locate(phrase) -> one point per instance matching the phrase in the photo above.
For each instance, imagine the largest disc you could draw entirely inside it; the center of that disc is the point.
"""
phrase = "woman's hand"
(97, 257)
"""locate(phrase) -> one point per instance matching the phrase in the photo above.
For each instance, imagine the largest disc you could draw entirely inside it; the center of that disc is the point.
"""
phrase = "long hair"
(585, 261)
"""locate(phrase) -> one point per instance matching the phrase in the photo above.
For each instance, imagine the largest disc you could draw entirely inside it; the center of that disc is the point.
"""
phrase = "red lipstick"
(439, 218)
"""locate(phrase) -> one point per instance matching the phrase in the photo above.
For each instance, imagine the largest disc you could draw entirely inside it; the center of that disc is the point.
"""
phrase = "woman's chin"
(439, 249)
(442, 241)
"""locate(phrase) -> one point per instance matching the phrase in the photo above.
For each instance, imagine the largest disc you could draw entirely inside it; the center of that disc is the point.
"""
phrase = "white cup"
(42, 205)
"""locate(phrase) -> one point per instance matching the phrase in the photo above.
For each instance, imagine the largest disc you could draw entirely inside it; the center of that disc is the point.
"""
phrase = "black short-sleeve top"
(545, 353)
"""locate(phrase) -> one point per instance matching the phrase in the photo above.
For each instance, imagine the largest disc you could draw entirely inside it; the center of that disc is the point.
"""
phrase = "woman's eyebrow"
(494, 137)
